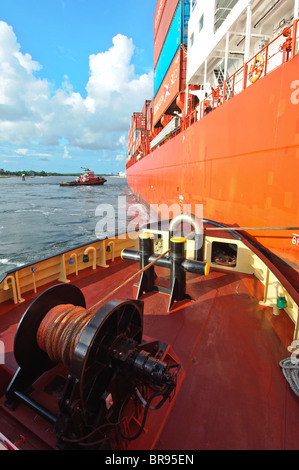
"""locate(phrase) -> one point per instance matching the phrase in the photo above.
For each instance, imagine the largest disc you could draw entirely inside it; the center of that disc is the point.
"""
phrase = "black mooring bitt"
(146, 247)
(176, 262)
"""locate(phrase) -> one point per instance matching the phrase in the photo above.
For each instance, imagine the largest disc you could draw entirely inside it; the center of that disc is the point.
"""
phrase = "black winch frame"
(110, 367)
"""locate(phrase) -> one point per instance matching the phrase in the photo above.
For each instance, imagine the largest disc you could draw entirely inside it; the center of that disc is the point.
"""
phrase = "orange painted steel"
(241, 162)
(158, 15)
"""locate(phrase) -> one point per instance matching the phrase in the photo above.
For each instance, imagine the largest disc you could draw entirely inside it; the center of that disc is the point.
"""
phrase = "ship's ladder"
(219, 75)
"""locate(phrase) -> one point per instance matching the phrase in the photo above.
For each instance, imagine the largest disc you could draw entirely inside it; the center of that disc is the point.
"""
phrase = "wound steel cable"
(61, 328)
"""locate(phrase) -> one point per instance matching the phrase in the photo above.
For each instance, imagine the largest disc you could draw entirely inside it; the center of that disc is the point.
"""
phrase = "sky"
(72, 72)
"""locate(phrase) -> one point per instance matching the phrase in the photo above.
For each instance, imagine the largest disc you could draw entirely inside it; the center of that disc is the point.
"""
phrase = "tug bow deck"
(231, 393)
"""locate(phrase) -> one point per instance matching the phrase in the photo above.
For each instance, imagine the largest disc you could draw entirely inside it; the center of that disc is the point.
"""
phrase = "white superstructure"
(224, 34)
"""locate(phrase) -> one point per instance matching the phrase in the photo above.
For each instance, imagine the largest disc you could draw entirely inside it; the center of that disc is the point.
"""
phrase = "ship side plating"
(223, 128)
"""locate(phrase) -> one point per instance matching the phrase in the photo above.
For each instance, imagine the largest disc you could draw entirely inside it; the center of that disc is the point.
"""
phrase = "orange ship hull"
(241, 162)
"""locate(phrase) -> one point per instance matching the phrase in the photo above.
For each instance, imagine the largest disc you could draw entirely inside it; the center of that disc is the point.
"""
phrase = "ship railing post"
(33, 269)
(296, 330)
(245, 76)
(13, 287)
(295, 29)
(110, 246)
(18, 288)
(225, 64)
(225, 87)
(94, 255)
(266, 60)
(63, 275)
(74, 256)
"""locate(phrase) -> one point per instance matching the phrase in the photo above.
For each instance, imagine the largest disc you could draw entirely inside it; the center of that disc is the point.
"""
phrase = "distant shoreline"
(11, 174)
(36, 174)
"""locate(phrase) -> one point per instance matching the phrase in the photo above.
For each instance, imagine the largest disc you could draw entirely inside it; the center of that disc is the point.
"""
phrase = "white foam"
(19, 264)
(4, 261)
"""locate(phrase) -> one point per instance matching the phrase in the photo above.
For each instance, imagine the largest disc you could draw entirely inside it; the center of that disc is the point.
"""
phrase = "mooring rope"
(290, 370)
(251, 228)
(104, 299)
(61, 328)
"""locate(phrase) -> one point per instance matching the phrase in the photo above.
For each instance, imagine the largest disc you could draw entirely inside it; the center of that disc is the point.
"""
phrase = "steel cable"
(290, 370)
(60, 329)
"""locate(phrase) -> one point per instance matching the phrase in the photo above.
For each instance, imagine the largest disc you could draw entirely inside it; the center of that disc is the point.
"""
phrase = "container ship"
(182, 334)
(222, 128)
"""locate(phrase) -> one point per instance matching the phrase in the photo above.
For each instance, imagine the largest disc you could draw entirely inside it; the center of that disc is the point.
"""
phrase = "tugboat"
(165, 340)
(88, 178)
(111, 344)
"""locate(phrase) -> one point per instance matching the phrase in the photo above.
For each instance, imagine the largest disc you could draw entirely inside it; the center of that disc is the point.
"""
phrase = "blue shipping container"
(177, 35)
(185, 21)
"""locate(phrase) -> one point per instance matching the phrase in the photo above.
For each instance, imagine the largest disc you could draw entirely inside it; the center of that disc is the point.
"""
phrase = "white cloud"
(119, 158)
(111, 71)
(30, 110)
(66, 154)
(41, 154)
(22, 151)
(123, 141)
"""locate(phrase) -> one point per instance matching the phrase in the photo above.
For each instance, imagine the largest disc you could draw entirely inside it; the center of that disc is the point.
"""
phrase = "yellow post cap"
(178, 239)
(146, 235)
(207, 269)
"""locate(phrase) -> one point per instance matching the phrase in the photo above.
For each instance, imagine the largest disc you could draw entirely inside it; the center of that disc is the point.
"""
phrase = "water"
(40, 219)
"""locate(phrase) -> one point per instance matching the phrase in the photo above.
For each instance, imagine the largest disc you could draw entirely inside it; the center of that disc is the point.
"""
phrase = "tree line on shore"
(32, 173)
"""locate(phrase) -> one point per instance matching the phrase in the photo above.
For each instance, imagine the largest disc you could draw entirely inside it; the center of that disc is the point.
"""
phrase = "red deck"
(231, 393)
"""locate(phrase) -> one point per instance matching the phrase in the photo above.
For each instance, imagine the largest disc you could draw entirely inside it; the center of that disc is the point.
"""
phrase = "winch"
(112, 375)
